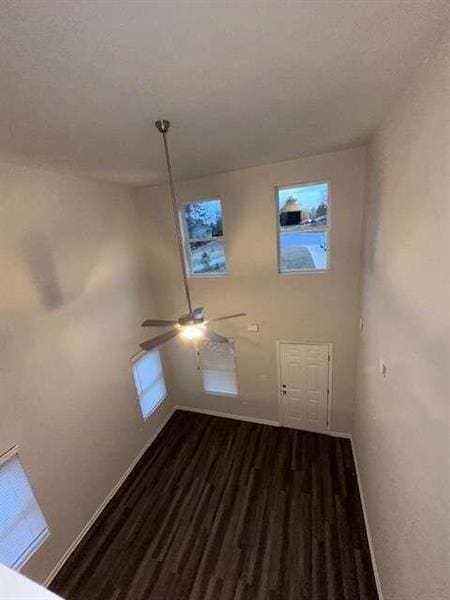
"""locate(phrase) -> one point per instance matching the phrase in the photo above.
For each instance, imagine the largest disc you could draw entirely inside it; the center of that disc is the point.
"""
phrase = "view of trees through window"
(303, 219)
(303, 231)
(204, 238)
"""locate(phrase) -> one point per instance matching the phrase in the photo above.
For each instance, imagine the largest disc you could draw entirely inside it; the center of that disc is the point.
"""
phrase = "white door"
(304, 385)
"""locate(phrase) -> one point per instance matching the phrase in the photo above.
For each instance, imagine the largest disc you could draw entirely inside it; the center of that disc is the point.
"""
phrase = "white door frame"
(330, 378)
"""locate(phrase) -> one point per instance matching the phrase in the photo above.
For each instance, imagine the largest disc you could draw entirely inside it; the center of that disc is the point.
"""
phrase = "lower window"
(22, 525)
(207, 258)
(218, 368)
(149, 380)
(303, 251)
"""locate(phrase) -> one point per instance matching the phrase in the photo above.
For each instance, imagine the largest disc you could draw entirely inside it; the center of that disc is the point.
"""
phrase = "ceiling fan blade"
(157, 323)
(159, 339)
(229, 317)
(215, 337)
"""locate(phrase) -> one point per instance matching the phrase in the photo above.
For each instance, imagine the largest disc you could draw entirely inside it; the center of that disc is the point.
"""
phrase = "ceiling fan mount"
(162, 125)
(191, 325)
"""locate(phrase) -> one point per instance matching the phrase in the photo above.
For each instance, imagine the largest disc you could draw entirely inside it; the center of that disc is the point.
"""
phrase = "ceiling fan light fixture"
(192, 332)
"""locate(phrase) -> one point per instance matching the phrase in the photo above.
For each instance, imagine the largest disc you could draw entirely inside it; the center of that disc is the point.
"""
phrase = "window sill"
(208, 275)
(34, 548)
(228, 395)
(155, 408)
(305, 272)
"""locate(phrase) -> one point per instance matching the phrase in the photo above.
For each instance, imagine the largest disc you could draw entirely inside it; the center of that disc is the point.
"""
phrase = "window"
(149, 380)
(203, 238)
(303, 227)
(22, 525)
(218, 367)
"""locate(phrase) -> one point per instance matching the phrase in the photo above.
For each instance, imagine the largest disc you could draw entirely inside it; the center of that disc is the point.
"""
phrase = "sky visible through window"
(308, 196)
(212, 211)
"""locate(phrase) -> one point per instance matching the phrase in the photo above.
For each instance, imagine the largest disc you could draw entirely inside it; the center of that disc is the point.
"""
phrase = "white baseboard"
(366, 523)
(339, 434)
(215, 413)
(96, 514)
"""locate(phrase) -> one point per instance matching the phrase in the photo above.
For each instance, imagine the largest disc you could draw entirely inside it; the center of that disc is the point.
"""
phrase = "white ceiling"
(244, 82)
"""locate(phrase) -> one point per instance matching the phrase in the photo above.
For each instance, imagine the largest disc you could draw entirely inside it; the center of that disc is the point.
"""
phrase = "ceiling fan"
(192, 325)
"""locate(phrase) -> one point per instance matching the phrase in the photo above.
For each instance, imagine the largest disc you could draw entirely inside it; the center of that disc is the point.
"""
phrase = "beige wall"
(401, 428)
(78, 276)
(72, 294)
(295, 307)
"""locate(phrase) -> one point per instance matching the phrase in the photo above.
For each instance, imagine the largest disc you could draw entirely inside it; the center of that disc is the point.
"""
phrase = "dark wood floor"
(221, 509)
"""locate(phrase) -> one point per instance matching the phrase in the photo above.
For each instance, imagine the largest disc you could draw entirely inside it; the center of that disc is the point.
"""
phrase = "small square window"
(303, 228)
(22, 525)
(149, 380)
(203, 238)
(218, 367)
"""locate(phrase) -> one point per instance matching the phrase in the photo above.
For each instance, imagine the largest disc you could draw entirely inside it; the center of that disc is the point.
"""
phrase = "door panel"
(304, 385)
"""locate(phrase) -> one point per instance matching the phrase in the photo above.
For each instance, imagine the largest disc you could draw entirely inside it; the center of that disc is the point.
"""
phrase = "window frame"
(134, 360)
(328, 230)
(186, 240)
(13, 452)
(199, 363)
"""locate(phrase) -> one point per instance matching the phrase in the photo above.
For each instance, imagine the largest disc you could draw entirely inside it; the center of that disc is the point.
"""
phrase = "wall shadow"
(40, 263)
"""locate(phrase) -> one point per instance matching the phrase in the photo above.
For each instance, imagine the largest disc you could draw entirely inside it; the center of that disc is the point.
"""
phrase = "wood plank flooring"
(219, 509)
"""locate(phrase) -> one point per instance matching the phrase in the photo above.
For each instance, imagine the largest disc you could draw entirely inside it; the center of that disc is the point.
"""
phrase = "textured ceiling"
(243, 82)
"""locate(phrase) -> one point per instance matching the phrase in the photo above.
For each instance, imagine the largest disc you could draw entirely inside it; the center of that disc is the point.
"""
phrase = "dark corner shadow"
(40, 263)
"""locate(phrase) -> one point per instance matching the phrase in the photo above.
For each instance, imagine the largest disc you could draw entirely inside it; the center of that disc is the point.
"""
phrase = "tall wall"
(294, 307)
(401, 425)
(73, 289)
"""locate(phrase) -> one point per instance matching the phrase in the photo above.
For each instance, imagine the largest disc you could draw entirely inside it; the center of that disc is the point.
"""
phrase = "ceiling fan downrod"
(162, 125)
(191, 326)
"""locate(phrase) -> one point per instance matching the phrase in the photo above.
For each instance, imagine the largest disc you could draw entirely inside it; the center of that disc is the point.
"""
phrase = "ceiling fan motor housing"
(191, 319)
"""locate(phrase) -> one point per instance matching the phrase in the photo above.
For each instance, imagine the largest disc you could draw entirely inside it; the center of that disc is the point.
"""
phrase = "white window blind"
(149, 380)
(218, 367)
(22, 524)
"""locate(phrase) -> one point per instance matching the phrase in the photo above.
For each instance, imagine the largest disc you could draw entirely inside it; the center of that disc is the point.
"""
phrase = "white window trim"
(135, 358)
(328, 228)
(8, 454)
(31, 550)
(186, 240)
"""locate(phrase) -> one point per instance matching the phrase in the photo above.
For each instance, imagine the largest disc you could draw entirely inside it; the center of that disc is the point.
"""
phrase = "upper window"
(22, 525)
(303, 227)
(203, 238)
(149, 380)
(218, 367)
